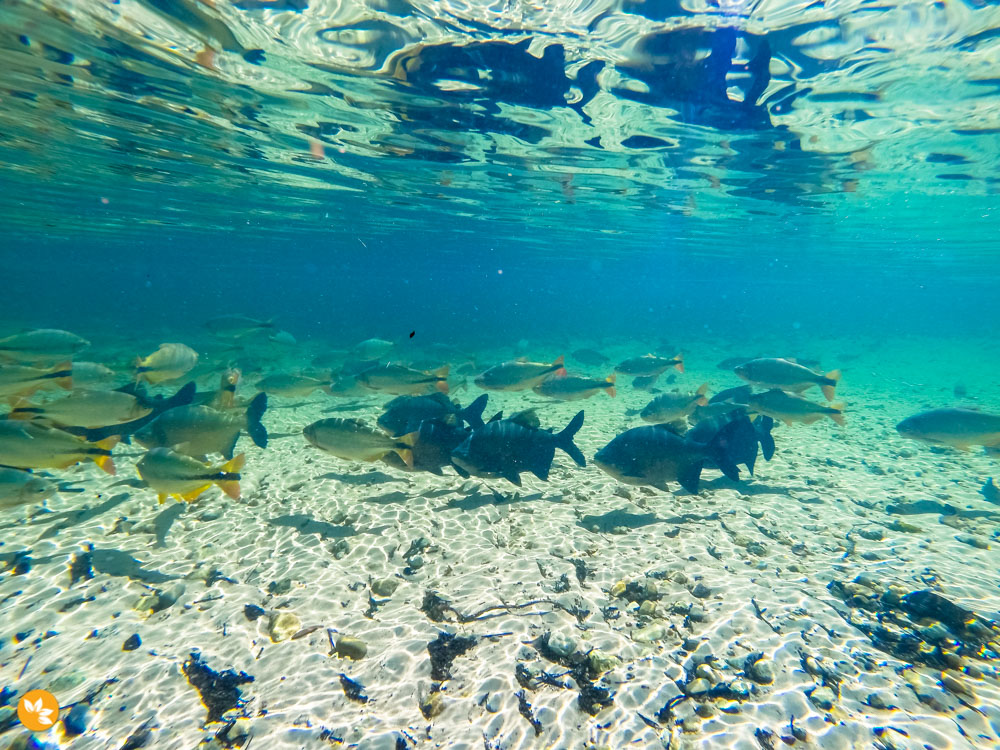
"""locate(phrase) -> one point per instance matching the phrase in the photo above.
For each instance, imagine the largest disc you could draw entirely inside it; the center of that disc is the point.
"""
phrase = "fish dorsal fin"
(496, 417)
(521, 359)
(526, 418)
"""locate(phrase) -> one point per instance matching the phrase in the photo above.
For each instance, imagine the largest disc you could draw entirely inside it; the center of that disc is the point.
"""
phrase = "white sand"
(486, 549)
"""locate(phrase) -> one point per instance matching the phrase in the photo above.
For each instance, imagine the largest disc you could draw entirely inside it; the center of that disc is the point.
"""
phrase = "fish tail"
(680, 363)
(255, 427)
(473, 413)
(762, 426)
(103, 457)
(702, 393)
(23, 409)
(564, 439)
(610, 388)
(832, 378)
(232, 468)
(558, 363)
(837, 415)
(404, 447)
(62, 374)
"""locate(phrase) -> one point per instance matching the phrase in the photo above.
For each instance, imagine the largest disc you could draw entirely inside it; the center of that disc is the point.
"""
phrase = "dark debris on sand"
(445, 649)
(592, 696)
(219, 691)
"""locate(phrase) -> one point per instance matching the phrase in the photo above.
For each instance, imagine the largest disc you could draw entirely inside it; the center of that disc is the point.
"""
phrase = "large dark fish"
(404, 414)
(505, 448)
(654, 455)
(156, 404)
(738, 395)
(433, 443)
(741, 439)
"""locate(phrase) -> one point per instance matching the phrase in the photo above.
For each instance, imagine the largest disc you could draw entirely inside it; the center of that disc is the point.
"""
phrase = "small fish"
(156, 404)
(353, 440)
(404, 414)
(574, 388)
(91, 375)
(169, 362)
(518, 375)
(84, 408)
(373, 348)
(590, 357)
(670, 407)
(786, 375)
(225, 397)
(649, 365)
(20, 380)
(27, 445)
(46, 345)
(991, 492)
(654, 455)
(237, 326)
(171, 473)
(790, 408)
(404, 381)
(507, 447)
(200, 430)
(645, 383)
(958, 428)
(291, 386)
(18, 487)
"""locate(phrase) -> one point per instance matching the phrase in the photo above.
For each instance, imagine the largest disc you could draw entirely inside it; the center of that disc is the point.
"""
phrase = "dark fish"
(156, 404)
(654, 455)
(433, 443)
(742, 439)
(731, 363)
(404, 414)
(738, 395)
(505, 448)
(589, 357)
(645, 383)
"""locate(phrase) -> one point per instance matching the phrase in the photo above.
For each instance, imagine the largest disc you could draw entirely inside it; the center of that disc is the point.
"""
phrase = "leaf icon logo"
(38, 710)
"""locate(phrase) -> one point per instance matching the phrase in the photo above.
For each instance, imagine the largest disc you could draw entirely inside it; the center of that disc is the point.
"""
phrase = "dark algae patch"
(353, 689)
(592, 697)
(445, 649)
(220, 691)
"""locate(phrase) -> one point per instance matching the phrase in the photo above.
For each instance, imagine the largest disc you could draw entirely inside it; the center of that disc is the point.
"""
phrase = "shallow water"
(473, 183)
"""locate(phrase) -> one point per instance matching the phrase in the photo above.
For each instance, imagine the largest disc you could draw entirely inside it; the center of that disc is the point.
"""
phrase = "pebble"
(973, 541)
(66, 682)
(75, 722)
(756, 548)
(872, 535)
(561, 645)
(691, 644)
(350, 648)
(252, 612)
(761, 672)
(493, 702)
(647, 608)
(823, 698)
(283, 625)
(881, 701)
(132, 642)
(701, 591)
(601, 662)
(385, 587)
(697, 613)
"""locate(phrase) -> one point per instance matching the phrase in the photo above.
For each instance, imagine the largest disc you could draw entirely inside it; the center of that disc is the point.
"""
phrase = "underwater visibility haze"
(504, 374)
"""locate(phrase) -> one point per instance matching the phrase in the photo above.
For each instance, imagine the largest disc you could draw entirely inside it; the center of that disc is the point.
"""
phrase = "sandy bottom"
(737, 571)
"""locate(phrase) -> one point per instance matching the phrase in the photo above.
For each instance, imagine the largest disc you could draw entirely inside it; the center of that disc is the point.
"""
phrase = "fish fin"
(161, 498)
(513, 477)
(542, 472)
(702, 390)
(231, 487)
(229, 451)
(406, 454)
(441, 385)
(610, 389)
(838, 417)
(21, 408)
(460, 471)
(106, 463)
(441, 372)
(559, 363)
(64, 381)
(689, 477)
(680, 363)
(473, 413)
(661, 486)
(788, 422)
(194, 494)
(235, 464)
(497, 417)
(255, 427)
(829, 389)
(812, 418)
(564, 439)
(762, 426)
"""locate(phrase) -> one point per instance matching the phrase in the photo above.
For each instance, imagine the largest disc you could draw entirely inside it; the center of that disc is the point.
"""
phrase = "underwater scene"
(565, 374)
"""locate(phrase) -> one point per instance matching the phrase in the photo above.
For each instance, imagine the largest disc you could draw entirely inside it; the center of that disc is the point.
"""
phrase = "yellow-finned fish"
(225, 398)
(19, 380)
(84, 409)
(670, 407)
(169, 362)
(398, 380)
(46, 345)
(353, 440)
(27, 445)
(199, 430)
(575, 388)
(959, 428)
(171, 473)
(291, 386)
(790, 408)
(787, 376)
(18, 487)
(650, 365)
(519, 374)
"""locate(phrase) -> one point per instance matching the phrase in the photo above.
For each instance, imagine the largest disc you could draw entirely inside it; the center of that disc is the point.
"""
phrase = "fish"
(505, 448)
(237, 326)
(21, 380)
(653, 455)
(991, 492)
(574, 388)
(738, 395)
(790, 408)
(518, 374)
(731, 363)
(18, 487)
(670, 407)
(353, 440)
(347, 385)
(743, 437)
(590, 357)
(649, 365)
(84, 408)
(716, 409)
(225, 397)
(28, 445)
(786, 375)
(373, 348)
(645, 383)
(91, 374)
(282, 337)
(169, 362)
(404, 414)
(185, 478)
(398, 380)
(200, 430)
(955, 427)
(156, 404)
(45, 345)
(291, 386)
(433, 443)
